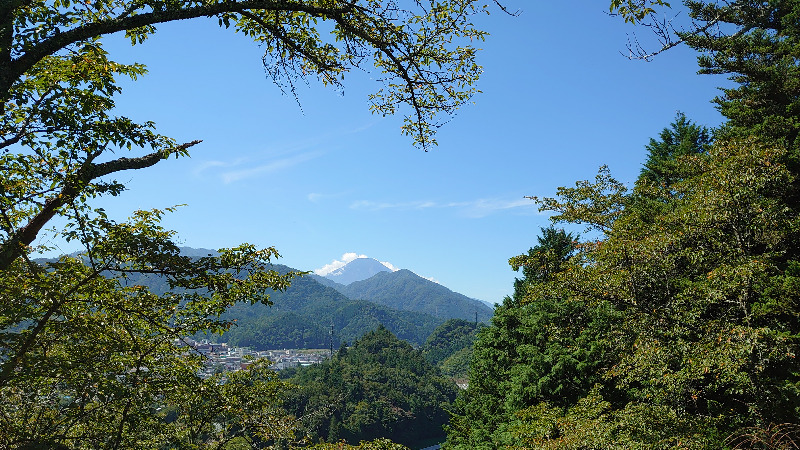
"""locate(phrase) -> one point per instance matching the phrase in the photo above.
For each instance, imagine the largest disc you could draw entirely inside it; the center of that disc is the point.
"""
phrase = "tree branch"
(53, 44)
(16, 244)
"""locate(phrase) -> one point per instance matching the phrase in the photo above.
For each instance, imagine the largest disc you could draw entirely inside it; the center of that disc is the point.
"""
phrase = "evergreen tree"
(537, 349)
(682, 138)
(686, 310)
(756, 43)
(450, 338)
(709, 302)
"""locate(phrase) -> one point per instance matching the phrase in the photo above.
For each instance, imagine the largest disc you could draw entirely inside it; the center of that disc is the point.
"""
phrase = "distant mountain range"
(301, 317)
(403, 290)
(355, 298)
(316, 311)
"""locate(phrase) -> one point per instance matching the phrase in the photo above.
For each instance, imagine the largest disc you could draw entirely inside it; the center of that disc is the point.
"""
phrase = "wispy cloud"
(208, 165)
(276, 157)
(484, 207)
(474, 208)
(316, 197)
(376, 206)
(272, 166)
(243, 168)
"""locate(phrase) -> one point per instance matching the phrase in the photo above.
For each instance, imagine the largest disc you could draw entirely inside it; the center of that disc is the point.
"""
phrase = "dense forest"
(378, 387)
(677, 326)
(449, 347)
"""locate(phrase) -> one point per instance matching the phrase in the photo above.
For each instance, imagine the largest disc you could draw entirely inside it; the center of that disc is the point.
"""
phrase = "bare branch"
(667, 34)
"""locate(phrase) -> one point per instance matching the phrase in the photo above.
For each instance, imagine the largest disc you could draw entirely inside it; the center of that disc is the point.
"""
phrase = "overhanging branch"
(23, 237)
(59, 41)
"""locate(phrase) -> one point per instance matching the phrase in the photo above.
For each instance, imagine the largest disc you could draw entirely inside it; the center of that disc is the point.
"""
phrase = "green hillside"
(379, 387)
(301, 317)
(450, 346)
(407, 291)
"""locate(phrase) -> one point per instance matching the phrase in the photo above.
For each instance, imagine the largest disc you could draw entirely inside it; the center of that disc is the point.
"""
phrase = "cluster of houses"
(222, 358)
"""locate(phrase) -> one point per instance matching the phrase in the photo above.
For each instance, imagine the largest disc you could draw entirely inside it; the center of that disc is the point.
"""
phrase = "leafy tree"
(682, 138)
(634, 11)
(457, 365)
(543, 261)
(756, 45)
(692, 291)
(539, 348)
(698, 266)
(242, 407)
(378, 444)
(708, 294)
(87, 356)
(87, 359)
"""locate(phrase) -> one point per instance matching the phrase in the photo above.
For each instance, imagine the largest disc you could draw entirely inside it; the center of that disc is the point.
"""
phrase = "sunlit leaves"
(596, 204)
(423, 52)
(696, 282)
(634, 11)
(109, 350)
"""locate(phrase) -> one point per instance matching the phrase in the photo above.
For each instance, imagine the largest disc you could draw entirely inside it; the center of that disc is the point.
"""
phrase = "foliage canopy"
(678, 328)
(379, 387)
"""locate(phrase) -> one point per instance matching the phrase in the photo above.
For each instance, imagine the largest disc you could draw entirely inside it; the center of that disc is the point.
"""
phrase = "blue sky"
(327, 177)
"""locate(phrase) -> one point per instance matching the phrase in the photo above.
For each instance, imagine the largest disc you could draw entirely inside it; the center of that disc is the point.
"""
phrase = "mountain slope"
(301, 317)
(408, 291)
(327, 282)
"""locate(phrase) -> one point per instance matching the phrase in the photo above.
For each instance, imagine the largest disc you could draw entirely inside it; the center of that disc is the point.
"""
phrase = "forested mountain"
(410, 306)
(301, 317)
(324, 281)
(407, 291)
(378, 387)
